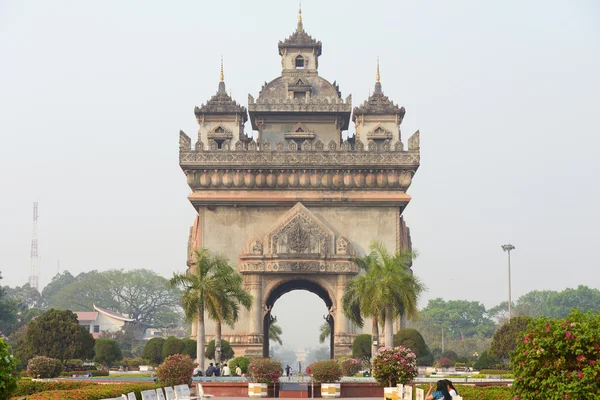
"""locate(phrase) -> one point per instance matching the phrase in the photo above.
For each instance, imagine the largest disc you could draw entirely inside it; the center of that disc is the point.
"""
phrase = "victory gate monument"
(293, 207)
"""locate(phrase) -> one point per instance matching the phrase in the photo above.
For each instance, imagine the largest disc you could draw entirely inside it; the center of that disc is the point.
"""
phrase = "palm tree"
(388, 289)
(226, 307)
(324, 332)
(275, 331)
(201, 285)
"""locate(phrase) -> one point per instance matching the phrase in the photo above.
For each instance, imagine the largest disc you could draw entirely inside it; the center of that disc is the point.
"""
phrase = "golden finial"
(377, 77)
(300, 13)
(222, 77)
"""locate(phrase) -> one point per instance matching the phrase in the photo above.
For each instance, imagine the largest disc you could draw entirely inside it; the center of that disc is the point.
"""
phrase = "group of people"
(444, 391)
(215, 370)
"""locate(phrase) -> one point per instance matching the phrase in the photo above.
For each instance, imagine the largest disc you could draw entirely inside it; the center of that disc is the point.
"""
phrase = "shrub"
(504, 340)
(411, 339)
(189, 347)
(325, 371)
(172, 346)
(153, 350)
(265, 370)
(44, 367)
(72, 364)
(227, 352)
(394, 365)
(350, 366)
(361, 347)
(133, 363)
(107, 351)
(8, 371)
(451, 354)
(243, 362)
(29, 387)
(176, 370)
(559, 356)
(425, 360)
(94, 392)
(484, 361)
(445, 362)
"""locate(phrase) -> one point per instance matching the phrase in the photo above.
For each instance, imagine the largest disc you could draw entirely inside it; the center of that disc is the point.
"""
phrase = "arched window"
(299, 62)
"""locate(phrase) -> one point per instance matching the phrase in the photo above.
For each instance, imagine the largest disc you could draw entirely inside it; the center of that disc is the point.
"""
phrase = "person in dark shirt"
(217, 370)
(210, 370)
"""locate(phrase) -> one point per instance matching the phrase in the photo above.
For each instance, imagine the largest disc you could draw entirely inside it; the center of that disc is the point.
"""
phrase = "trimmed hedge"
(479, 393)
(93, 392)
(29, 387)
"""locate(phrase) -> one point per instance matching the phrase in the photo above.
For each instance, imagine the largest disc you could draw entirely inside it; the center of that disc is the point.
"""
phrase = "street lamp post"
(508, 248)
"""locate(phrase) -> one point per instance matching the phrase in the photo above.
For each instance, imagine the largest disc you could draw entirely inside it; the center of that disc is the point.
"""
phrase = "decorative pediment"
(414, 142)
(255, 247)
(300, 232)
(220, 132)
(299, 86)
(379, 132)
(300, 131)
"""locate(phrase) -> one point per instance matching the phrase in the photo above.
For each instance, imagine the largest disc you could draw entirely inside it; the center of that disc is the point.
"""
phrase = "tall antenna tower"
(34, 268)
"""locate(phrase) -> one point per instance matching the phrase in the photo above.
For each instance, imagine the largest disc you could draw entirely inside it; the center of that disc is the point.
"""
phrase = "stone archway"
(299, 252)
(286, 286)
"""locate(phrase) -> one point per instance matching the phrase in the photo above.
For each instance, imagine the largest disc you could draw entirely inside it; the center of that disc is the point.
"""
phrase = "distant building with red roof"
(102, 320)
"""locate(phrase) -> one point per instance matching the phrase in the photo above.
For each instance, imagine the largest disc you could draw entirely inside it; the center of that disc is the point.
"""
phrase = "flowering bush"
(8, 371)
(176, 370)
(265, 370)
(394, 365)
(445, 362)
(350, 366)
(325, 371)
(559, 356)
(44, 367)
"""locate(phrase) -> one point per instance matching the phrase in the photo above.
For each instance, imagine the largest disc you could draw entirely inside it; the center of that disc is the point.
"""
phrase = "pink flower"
(568, 335)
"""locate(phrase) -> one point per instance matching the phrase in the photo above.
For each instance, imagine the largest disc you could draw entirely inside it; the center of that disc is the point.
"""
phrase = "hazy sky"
(505, 94)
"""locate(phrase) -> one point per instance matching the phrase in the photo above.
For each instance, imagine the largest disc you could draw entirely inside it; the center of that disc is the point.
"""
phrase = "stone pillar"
(342, 338)
(253, 284)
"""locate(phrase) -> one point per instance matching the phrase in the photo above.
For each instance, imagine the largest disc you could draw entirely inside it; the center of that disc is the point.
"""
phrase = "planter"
(329, 390)
(257, 389)
(391, 393)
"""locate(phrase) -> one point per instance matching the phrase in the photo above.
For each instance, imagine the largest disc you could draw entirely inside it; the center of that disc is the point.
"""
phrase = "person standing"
(226, 371)
(287, 370)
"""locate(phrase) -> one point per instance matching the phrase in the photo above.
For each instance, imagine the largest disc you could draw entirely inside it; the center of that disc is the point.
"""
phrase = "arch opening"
(287, 287)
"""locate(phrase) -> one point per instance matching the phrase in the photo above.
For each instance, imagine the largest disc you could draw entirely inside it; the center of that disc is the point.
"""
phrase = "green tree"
(505, 339)
(485, 361)
(153, 350)
(8, 313)
(324, 332)
(202, 285)
(225, 308)
(57, 334)
(227, 352)
(275, 331)
(139, 294)
(172, 346)
(25, 296)
(243, 362)
(59, 281)
(107, 351)
(361, 347)
(126, 337)
(8, 371)
(388, 289)
(459, 318)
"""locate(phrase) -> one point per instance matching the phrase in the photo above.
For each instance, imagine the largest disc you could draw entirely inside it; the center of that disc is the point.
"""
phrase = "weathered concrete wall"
(227, 230)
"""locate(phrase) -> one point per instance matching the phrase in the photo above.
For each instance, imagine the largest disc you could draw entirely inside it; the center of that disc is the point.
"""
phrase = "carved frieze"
(298, 267)
(278, 179)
